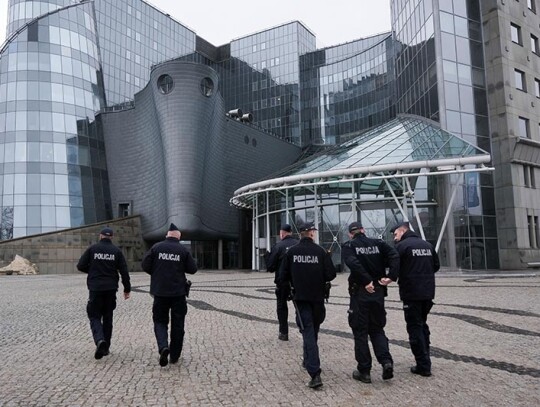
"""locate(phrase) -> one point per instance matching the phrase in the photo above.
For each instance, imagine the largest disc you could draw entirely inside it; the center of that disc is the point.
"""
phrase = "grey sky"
(219, 21)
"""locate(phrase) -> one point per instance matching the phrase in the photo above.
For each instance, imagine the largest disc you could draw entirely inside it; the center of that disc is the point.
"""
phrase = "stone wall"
(58, 252)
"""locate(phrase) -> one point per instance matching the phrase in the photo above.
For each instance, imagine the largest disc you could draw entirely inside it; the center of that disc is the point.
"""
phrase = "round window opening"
(165, 84)
(207, 87)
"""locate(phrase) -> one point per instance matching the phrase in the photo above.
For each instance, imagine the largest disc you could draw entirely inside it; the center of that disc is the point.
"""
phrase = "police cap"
(304, 227)
(402, 224)
(286, 227)
(106, 232)
(353, 227)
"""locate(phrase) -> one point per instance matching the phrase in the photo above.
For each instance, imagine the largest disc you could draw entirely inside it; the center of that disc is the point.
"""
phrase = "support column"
(255, 235)
(220, 254)
(316, 212)
(448, 222)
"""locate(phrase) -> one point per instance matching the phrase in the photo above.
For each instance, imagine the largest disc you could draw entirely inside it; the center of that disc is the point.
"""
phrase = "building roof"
(405, 144)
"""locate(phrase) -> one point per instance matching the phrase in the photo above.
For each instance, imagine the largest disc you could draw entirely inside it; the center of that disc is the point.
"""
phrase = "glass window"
(461, 26)
(207, 87)
(165, 84)
(516, 33)
(533, 243)
(531, 4)
(460, 8)
(537, 87)
(466, 98)
(534, 44)
(523, 128)
(464, 51)
(447, 22)
(453, 121)
(48, 216)
(444, 5)
(448, 46)
(464, 74)
(520, 80)
(528, 175)
(451, 95)
(62, 217)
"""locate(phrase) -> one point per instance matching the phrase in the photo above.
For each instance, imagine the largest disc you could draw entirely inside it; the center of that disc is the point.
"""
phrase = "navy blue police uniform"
(282, 290)
(102, 262)
(308, 266)
(167, 262)
(368, 259)
(419, 263)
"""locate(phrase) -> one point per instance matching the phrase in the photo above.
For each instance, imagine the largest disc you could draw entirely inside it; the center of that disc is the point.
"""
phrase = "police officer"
(167, 262)
(102, 262)
(282, 290)
(307, 266)
(367, 259)
(418, 264)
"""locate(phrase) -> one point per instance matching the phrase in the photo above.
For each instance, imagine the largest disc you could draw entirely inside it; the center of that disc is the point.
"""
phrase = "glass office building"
(347, 88)
(54, 172)
(440, 75)
(471, 66)
(62, 63)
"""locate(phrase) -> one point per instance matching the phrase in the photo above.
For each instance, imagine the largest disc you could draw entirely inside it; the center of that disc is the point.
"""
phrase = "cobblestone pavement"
(485, 338)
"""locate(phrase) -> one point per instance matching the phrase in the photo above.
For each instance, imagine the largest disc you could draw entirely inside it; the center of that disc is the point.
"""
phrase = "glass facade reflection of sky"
(53, 78)
(456, 70)
(266, 78)
(346, 88)
(132, 37)
(54, 171)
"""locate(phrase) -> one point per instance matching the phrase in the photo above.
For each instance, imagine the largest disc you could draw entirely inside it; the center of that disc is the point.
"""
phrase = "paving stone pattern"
(485, 341)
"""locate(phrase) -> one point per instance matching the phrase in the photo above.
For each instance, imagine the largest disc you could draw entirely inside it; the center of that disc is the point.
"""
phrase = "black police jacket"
(102, 261)
(419, 263)
(167, 262)
(277, 253)
(368, 258)
(308, 267)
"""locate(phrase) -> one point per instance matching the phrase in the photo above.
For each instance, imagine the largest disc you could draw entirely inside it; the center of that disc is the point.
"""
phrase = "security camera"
(235, 113)
(246, 118)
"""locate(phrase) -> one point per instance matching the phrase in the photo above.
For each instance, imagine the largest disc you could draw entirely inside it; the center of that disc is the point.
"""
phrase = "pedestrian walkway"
(485, 347)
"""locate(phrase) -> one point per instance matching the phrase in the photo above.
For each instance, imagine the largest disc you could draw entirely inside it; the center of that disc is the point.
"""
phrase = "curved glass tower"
(64, 61)
(53, 168)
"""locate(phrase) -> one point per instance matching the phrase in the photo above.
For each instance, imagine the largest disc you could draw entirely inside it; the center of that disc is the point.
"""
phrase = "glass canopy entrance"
(407, 169)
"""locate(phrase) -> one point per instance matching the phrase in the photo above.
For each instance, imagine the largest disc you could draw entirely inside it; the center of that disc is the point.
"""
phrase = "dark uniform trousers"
(177, 307)
(367, 316)
(100, 307)
(282, 293)
(312, 315)
(416, 313)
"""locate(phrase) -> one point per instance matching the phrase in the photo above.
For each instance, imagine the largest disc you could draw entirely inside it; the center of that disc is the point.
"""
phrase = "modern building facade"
(188, 164)
(99, 100)
(512, 66)
(347, 88)
(441, 73)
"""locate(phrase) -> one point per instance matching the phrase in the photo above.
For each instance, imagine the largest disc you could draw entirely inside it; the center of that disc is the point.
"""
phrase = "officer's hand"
(385, 281)
(126, 296)
(370, 288)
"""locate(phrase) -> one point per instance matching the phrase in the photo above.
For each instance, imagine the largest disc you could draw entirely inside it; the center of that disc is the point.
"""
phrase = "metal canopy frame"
(247, 196)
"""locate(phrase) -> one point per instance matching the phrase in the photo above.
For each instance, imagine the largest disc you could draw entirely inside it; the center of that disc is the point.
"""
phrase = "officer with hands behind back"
(418, 264)
(167, 262)
(307, 266)
(282, 290)
(102, 262)
(367, 259)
